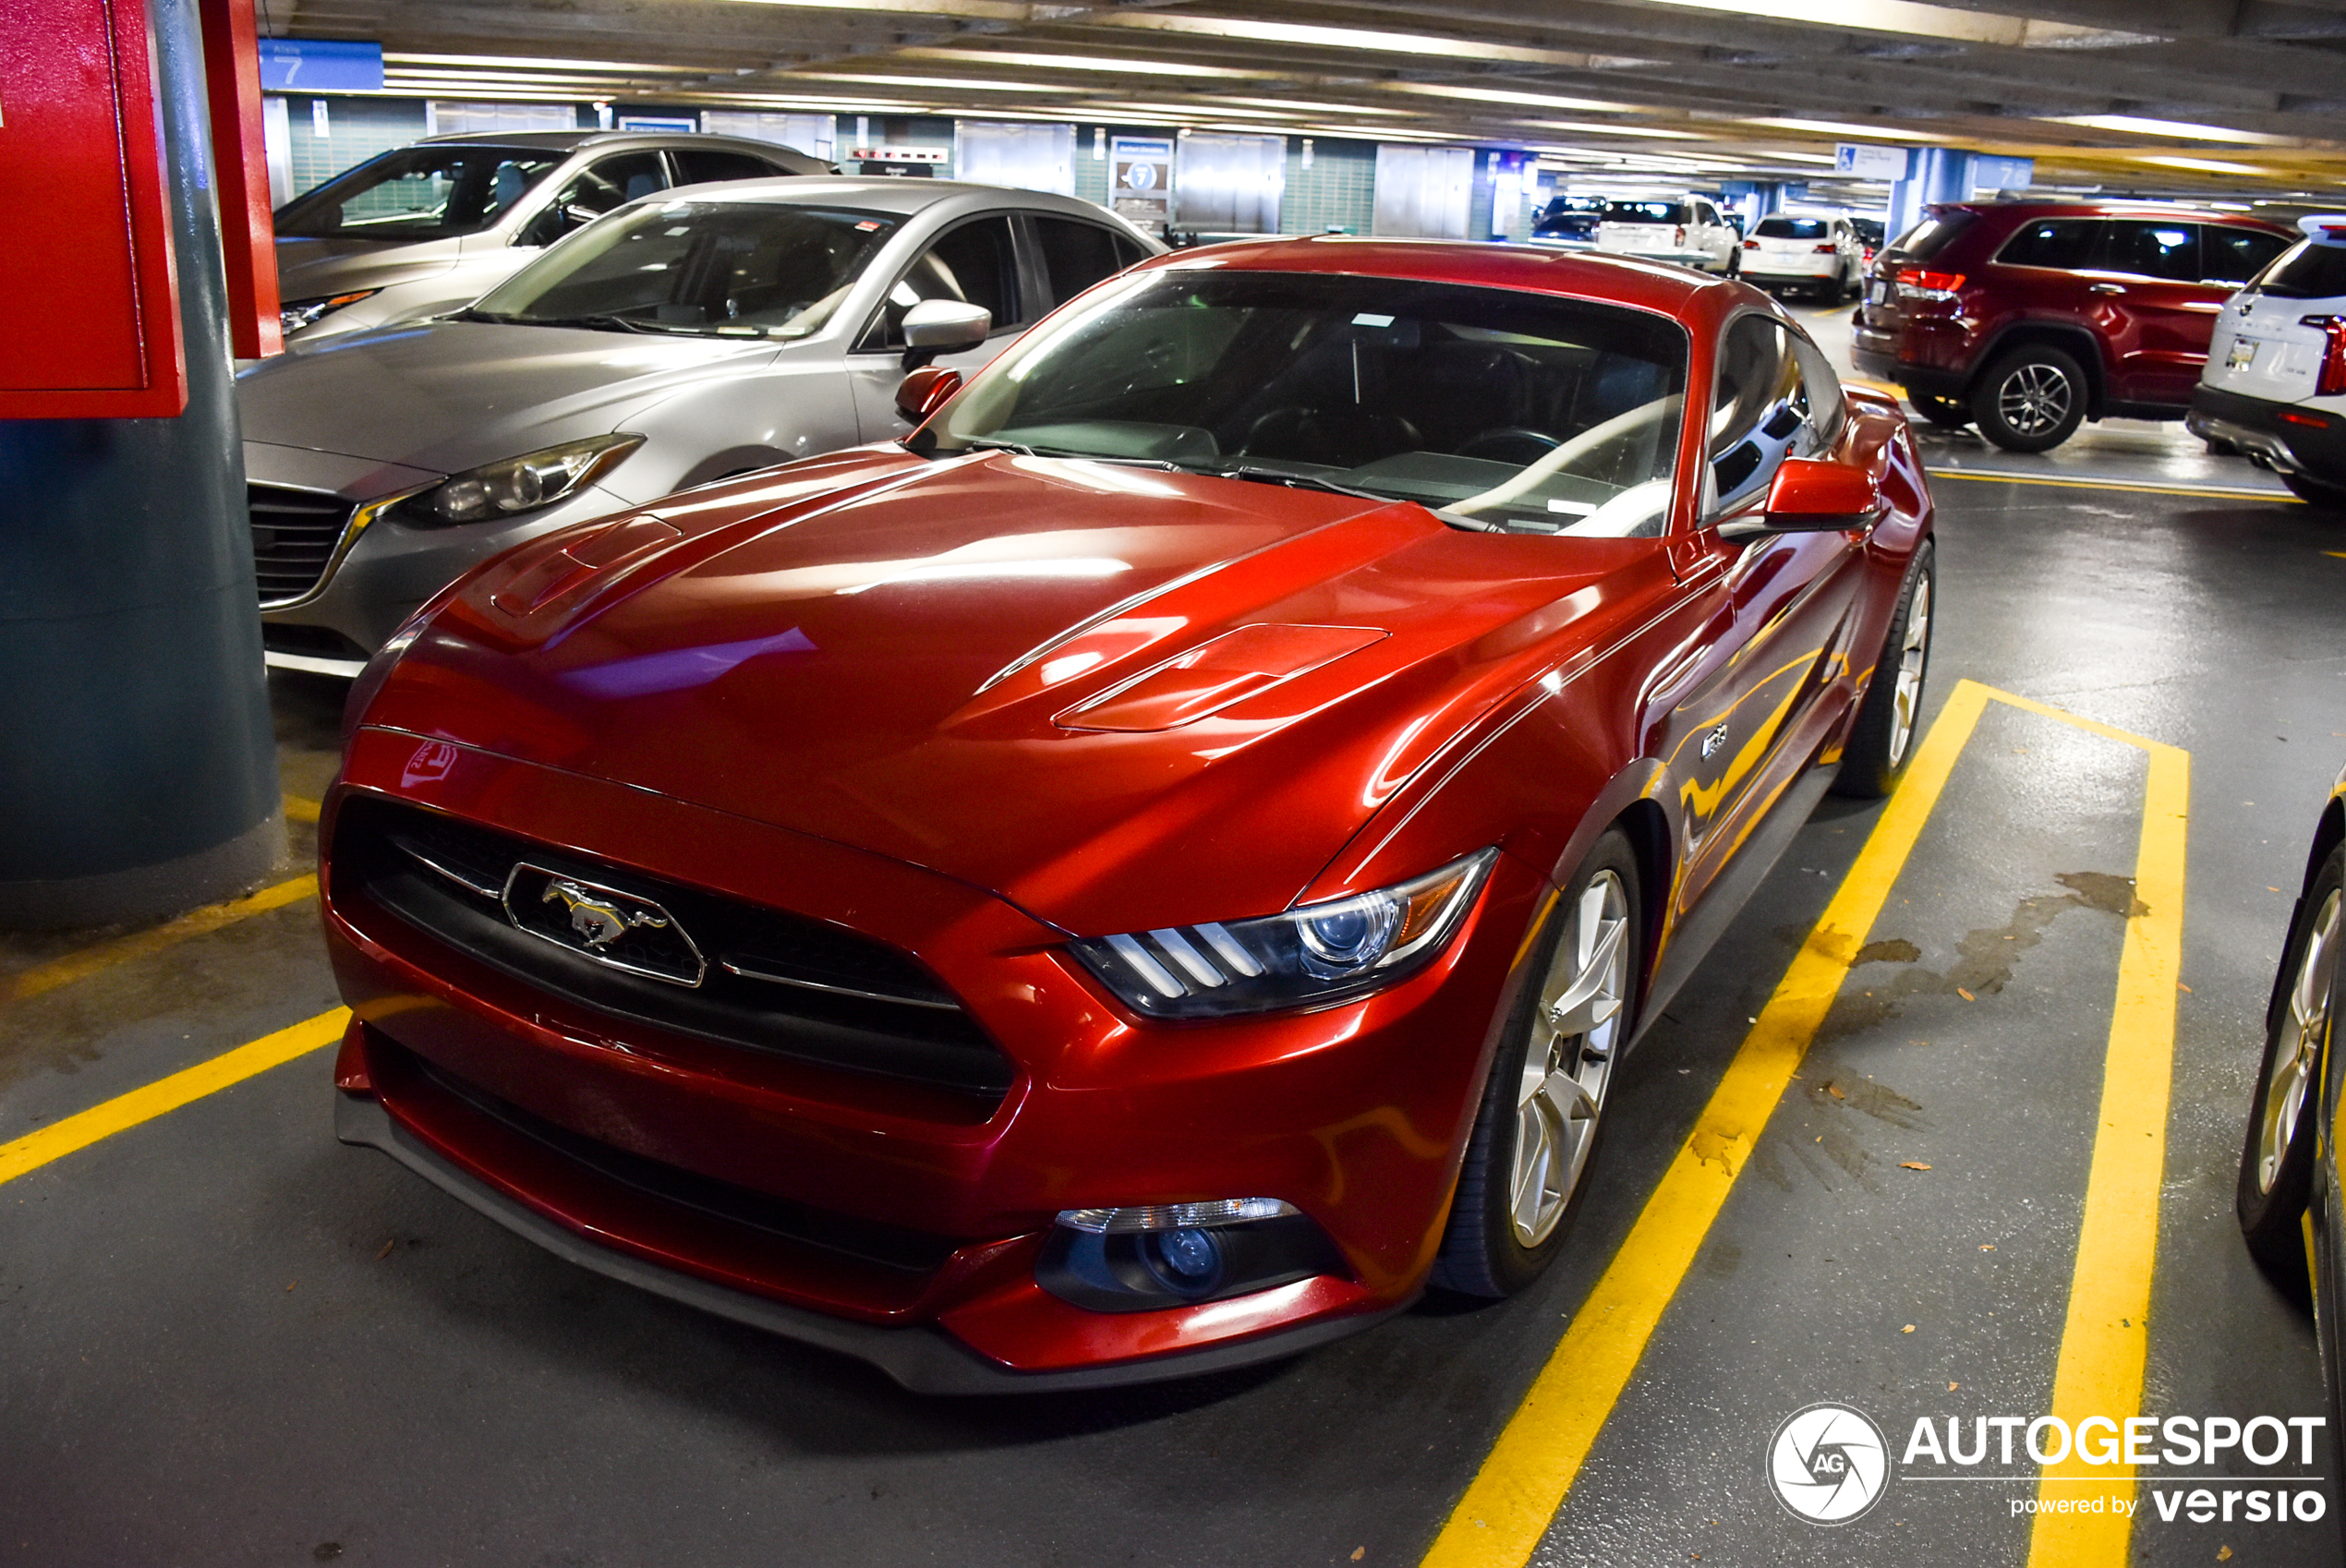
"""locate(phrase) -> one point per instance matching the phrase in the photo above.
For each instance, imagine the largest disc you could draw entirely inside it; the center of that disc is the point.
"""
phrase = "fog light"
(1187, 1262)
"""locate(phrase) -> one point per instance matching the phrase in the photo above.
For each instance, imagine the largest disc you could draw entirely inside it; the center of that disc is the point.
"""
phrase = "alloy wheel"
(1913, 654)
(2297, 1056)
(1570, 1059)
(2035, 398)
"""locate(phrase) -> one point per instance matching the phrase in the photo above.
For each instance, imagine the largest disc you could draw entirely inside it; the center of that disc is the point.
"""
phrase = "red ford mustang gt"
(1160, 866)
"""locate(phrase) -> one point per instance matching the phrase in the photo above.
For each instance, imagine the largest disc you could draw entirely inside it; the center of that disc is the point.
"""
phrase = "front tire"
(2314, 493)
(2277, 1165)
(2031, 400)
(1882, 741)
(1543, 1105)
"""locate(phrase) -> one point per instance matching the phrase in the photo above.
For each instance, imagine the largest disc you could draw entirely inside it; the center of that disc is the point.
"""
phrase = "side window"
(1075, 255)
(1129, 252)
(697, 164)
(2234, 256)
(1763, 410)
(593, 191)
(2148, 248)
(2065, 243)
(976, 263)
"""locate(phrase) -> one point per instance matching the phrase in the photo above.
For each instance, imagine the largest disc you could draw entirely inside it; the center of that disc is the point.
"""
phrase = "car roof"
(1580, 274)
(883, 194)
(2175, 212)
(570, 140)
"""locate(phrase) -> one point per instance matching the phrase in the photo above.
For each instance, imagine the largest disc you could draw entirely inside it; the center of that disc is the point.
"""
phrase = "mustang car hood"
(447, 395)
(892, 654)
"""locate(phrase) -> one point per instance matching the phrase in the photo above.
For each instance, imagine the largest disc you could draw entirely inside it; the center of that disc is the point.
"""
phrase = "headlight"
(296, 314)
(1310, 957)
(517, 485)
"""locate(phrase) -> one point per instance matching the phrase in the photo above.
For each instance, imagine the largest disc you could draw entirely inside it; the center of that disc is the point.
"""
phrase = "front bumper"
(1357, 1115)
(2285, 436)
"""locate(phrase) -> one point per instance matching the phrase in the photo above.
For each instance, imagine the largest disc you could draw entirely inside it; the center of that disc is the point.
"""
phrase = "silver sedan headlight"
(296, 314)
(521, 484)
(1310, 957)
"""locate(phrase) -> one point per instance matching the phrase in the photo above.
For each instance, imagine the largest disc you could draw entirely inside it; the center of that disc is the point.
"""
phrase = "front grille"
(889, 1247)
(293, 535)
(773, 982)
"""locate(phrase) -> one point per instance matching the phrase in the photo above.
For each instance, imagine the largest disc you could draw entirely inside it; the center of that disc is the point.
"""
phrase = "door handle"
(2107, 288)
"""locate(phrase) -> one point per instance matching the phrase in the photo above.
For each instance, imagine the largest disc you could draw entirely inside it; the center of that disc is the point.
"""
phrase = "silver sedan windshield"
(727, 269)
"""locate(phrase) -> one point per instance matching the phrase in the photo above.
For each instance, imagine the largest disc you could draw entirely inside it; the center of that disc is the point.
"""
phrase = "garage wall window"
(815, 135)
(1024, 157)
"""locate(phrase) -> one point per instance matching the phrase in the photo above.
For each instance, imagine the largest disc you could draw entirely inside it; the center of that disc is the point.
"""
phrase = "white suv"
(2275, 385)
(1687, 230)
(1789, 251)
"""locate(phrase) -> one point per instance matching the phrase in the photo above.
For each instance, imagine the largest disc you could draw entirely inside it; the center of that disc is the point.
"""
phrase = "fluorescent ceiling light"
(1590, 128)
(1084, 62)
(2135, 124)
(2204, 166)
(1335, 36)
(1307, 107)
(392, 60)
(1498, 95)
(1797, 157)
(1906, 16)
(1838, 127)
(939, 84)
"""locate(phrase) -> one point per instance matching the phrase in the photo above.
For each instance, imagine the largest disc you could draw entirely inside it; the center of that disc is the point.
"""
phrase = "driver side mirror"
(926, 391)
(943, 326)
(1811, 497)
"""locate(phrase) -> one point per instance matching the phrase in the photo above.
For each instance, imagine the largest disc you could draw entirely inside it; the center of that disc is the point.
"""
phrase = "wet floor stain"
(1985, 957)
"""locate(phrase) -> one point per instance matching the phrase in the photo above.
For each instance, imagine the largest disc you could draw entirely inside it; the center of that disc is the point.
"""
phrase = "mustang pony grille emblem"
(606, 924)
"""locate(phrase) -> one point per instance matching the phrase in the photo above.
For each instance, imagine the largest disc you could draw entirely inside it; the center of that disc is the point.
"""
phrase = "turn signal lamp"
(2331, 382)
(1176, 1216)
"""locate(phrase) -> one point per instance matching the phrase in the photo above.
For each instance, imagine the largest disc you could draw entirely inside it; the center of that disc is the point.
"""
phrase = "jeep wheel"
(2031, 400)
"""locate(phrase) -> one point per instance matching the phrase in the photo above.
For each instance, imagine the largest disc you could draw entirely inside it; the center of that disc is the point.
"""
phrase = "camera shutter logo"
(1828, 1463)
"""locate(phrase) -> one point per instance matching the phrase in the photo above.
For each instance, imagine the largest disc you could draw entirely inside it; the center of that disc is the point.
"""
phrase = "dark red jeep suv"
(2026, 317)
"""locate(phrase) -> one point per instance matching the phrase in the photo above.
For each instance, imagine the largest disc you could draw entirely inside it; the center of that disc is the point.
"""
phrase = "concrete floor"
(229, 1340)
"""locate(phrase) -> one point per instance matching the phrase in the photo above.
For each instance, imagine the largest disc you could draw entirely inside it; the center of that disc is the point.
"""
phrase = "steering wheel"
(1587, 443)
(1509, 443)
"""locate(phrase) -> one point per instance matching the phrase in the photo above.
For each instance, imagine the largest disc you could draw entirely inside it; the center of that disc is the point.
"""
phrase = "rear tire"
(2276, 1164)
(1947, 413)
(1535, 1137)
(2314, 493)
(1882, 741)
(2031, 400)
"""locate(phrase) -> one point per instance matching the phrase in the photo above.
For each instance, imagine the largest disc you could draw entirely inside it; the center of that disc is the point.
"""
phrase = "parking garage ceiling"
(2202, 96)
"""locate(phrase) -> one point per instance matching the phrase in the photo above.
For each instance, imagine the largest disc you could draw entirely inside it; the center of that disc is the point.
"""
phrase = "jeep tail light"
(1923, 283)
(2331, 382)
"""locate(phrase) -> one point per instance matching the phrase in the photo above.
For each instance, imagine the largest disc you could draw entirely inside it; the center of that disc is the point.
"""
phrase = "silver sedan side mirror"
(943, 326)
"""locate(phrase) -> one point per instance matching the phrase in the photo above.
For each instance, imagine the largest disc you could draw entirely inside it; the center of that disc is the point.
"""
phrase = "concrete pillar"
(1933, 173)
(138, 764)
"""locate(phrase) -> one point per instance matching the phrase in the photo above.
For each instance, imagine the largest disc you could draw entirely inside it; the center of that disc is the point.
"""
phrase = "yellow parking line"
(32, 981)
(2341, 554)
(1512, 1499)
(2105, 1338)
(300, 810)
(35, 1150)
(2238, 493)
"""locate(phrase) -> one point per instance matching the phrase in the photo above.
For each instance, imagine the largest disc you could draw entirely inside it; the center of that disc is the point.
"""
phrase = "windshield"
(1648, 212)
(1793, 228)
(724, 269)
(418, 193)
(2306, 270)
(1497, 408)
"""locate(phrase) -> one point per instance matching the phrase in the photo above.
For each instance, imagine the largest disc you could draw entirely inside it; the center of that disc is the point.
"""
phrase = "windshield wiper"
(1293, 481)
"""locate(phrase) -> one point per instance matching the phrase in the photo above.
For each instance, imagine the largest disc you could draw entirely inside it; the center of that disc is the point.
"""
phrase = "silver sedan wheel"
(2297, 1055)
(1913, 655)
(1570, 1059)
(2035, 398)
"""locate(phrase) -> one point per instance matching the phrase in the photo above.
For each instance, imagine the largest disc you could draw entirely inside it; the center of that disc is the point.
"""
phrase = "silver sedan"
(705, 332)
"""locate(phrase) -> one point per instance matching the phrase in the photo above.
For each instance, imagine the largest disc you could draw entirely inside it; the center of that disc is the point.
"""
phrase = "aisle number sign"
(1869, 163)
(1141, 181)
